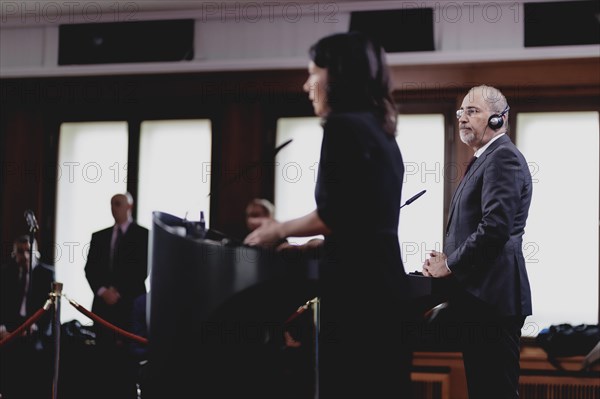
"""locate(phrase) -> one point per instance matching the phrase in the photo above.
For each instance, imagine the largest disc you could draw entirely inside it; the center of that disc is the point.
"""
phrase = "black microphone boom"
(276, 150)
(413, 198)
(31, 220)
(248, 168)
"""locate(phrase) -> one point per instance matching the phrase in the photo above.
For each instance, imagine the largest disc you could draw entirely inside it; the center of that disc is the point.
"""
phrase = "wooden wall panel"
(243, 107)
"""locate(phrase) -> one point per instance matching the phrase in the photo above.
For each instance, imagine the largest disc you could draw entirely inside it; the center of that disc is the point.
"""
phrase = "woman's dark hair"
(358, 76)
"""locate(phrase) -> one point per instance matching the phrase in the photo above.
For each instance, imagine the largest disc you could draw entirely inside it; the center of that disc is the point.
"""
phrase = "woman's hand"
(268, 234)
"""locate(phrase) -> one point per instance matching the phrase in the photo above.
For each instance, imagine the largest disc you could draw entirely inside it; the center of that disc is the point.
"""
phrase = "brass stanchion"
(56, 295)
(316, 304)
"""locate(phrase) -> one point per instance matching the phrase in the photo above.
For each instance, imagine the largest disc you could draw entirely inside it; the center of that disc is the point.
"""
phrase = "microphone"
(281, 147)
(31, 220)
(256, 164)
(413, 198)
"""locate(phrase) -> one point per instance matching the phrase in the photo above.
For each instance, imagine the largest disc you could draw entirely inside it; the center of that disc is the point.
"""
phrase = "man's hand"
(111, 295)
(436, 266)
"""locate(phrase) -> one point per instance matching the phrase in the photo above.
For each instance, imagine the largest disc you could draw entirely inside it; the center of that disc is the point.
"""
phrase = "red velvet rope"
(105, 323)
(298, 312)
(19, 331)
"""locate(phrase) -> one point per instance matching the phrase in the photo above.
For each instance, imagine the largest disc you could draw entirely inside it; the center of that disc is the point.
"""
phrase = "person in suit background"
(26, 362)
(116, 270)
(483, 247)
(256, 210)
(359, 184)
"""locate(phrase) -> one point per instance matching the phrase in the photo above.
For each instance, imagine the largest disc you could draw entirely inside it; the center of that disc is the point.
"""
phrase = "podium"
(216, 313)
(427, 292)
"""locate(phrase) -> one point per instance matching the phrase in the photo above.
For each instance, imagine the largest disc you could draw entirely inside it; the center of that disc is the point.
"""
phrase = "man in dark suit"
(26, 362)
(116, 268)
(483, 248)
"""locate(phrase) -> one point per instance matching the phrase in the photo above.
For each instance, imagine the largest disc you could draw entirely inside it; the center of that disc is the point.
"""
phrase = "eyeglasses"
(471, 112)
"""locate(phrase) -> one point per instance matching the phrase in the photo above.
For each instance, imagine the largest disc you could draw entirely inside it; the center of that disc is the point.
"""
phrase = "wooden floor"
(440, 375)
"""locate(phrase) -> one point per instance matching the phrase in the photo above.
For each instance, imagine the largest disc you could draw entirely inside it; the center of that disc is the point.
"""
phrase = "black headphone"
(496, 121)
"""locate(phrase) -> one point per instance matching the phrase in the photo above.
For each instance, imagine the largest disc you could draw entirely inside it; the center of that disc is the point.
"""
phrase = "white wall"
(262, 34)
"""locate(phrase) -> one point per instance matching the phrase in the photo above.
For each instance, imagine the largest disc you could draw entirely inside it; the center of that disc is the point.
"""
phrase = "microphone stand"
(29, 338)
(316, 308)
(56, 293)
(32, 231)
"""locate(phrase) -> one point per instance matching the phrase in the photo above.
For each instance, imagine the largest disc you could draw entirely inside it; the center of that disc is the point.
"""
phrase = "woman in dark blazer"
(358, 198)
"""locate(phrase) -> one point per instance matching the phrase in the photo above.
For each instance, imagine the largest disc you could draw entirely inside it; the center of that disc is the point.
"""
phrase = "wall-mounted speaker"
(403, 30)
(562, 23)
(119, 42)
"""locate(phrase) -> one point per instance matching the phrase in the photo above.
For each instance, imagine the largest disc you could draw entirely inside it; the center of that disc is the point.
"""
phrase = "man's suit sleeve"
(500, 199)
(93, 266)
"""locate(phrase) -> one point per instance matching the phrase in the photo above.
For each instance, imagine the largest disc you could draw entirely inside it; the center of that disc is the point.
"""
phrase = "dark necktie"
(471, 162)
(117, 244)
(23, 281)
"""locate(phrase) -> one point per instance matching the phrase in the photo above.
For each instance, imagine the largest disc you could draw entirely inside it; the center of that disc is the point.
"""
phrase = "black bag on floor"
(563, 340)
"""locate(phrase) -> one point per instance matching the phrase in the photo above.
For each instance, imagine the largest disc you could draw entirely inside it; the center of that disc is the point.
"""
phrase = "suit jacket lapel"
(480, 161)
(457, 193)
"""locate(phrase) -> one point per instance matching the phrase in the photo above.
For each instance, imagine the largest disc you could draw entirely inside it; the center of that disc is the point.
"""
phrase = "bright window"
(92, 167)
(421, 141)
(174, 177)
(561, 236)
(174, 171)
(296, 167)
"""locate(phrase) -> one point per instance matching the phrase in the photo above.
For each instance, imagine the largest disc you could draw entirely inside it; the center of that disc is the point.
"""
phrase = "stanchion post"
(316, 305)
(56, 294)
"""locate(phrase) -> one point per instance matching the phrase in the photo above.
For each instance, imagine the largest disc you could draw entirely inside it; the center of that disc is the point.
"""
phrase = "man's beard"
(468, 137)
